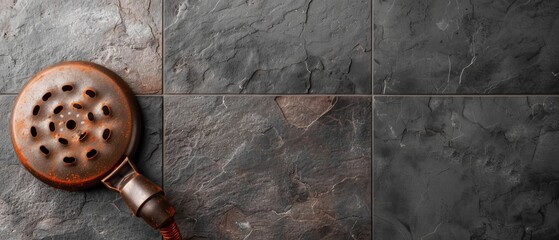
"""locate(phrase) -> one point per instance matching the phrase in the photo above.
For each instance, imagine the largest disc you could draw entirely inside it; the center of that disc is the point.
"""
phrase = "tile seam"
(163, 136)
(468, 95)
(257, 95)
(372, 211)
(336, 95)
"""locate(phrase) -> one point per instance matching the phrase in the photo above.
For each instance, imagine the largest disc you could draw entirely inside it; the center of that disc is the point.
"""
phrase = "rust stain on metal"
(51, 114)
(64, 127)
(303, 111)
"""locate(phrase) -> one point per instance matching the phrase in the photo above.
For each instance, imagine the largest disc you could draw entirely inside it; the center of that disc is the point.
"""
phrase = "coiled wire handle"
(171, 232)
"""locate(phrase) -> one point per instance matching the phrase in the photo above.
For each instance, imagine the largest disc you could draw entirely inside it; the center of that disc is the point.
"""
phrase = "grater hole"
(106, 110)
(36, 110)
(58, 109)
(67, 88)
(71, 124)
(44, 150)
(63, 141)
(77, 106)
(47, 96)
(107, 134)
(69, 160)
(52, 127)
(83, 135)
(90, 116)
(91, 154)
(90, 93)
(33, 131)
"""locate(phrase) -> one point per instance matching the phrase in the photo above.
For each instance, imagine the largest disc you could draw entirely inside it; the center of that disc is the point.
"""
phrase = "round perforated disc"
(73, 123)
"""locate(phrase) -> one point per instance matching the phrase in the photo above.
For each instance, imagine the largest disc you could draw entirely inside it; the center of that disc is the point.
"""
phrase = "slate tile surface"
(247, 46)
(123, 35)
(473, 47)
(235, 168)
(29, 209)
(466, 168)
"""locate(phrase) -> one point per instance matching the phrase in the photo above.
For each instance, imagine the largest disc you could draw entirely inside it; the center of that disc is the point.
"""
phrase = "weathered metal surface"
(76, 124)
(143, 197)
(73, 123)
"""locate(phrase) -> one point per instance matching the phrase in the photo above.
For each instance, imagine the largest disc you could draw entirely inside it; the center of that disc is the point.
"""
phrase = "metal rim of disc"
(73, 123)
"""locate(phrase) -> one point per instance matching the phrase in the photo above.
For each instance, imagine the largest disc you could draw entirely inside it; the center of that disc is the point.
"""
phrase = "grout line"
(163, 138)
(336, 95)
(372, 48)
(372, 167)
(468, 95)
(163, 46)
(372, 119)
(163, 146)
(253, 95)
(163, 95)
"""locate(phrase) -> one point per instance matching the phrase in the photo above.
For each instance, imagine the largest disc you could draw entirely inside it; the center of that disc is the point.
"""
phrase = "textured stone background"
(474, 47)
(123, 35)
(235, 167)
(456, 167)
(296, 167)
(29, 209)
(262, 177)
(248, 46)
(466, 168)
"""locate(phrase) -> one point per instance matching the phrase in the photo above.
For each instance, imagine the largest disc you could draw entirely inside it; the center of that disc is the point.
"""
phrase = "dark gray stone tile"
(466, 168)
(149, 156)
(477, 46)
(294, 46)
(235, 168)
(123, 35)
(29, 209)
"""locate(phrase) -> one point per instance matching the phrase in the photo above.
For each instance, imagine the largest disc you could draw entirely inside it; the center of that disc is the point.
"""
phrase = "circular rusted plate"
(73, 123)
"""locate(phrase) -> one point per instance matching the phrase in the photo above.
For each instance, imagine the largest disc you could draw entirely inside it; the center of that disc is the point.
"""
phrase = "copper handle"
(144, 198)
